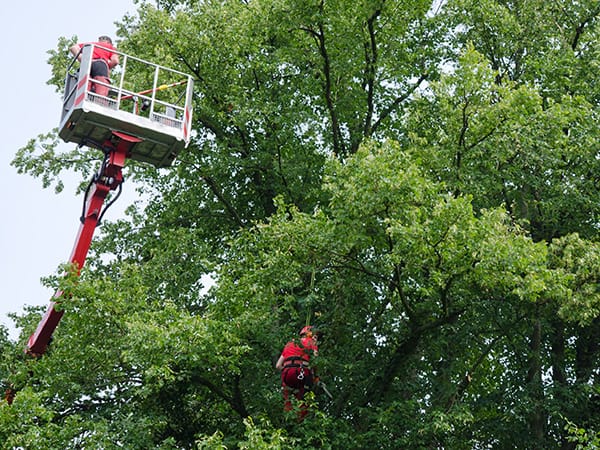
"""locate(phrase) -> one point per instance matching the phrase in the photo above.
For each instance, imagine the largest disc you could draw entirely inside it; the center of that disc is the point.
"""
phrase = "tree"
(416, 178)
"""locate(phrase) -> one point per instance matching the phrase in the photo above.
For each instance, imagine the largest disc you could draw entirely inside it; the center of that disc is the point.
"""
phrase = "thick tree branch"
(216, 190)
(234, 400)
(579, 30)
(338, 144)
(466, 381)
(382, 381)
(394, 105)
(370, 68)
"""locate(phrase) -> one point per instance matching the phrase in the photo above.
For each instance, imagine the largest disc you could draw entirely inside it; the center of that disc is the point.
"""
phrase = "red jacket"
(304, 350)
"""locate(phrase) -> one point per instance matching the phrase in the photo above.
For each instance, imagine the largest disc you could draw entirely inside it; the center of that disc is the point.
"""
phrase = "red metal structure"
(108, 178)
(115, 124)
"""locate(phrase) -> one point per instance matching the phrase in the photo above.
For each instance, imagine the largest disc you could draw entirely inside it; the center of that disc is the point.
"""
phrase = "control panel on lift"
(141, 99)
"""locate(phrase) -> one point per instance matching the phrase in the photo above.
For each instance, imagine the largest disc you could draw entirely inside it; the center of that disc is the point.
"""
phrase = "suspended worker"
(104, 59)
(297, 375)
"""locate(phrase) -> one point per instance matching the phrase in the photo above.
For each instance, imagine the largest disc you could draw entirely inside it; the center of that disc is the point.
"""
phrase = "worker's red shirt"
(304, 349)
(101, 53)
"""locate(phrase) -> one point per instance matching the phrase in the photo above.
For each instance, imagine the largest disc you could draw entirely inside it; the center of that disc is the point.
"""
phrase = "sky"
(37, 226)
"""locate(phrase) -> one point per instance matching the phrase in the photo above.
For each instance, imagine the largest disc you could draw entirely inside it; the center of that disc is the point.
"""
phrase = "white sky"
(38, 227)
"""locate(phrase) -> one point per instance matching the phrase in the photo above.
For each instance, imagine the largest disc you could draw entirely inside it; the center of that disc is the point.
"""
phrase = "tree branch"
(392, 107)
(211, 183)
(381, 382)
(370, 63)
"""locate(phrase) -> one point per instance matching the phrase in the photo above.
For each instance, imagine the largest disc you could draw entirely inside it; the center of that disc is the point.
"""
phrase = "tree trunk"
(534, 383)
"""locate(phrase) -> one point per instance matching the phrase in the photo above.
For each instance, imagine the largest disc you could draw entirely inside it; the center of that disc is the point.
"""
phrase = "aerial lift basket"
(144, 115)
(143, 99)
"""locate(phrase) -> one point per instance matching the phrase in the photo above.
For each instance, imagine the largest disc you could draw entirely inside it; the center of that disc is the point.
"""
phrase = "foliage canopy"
(419, 179)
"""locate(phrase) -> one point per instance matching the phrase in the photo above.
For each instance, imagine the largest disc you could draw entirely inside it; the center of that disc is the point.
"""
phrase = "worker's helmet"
(307, 331)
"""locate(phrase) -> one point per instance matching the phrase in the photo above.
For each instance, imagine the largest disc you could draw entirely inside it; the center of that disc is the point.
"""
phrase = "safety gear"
(296, 381)
(295, 361)
(306, 330)
(299, 378)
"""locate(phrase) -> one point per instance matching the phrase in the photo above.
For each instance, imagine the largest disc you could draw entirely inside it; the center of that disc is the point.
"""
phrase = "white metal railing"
(146, 91)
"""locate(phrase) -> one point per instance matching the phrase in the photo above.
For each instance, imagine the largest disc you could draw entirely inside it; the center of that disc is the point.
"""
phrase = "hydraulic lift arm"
(103, 120)
(109, 177)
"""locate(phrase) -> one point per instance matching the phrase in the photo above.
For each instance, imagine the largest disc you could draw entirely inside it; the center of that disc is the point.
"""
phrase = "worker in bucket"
(297, 375)
(104, 59)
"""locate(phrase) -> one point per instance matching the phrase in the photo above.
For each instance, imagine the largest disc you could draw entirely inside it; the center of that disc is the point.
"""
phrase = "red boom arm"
(108, 178)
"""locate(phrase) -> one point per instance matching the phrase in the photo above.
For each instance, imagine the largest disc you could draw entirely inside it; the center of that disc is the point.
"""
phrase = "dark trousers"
(99, 68)
(99, 72)
(296, 380)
